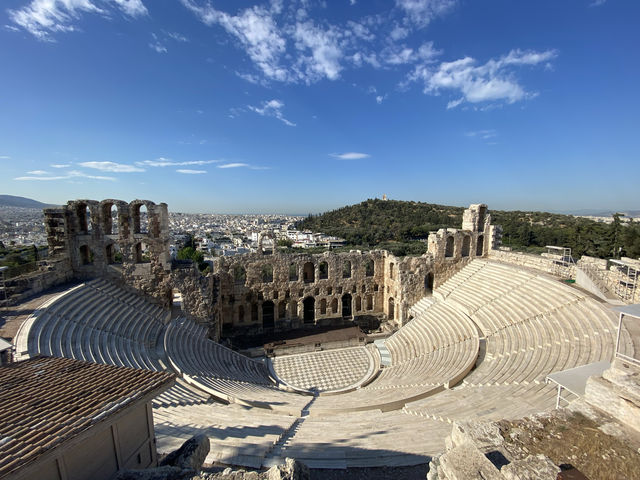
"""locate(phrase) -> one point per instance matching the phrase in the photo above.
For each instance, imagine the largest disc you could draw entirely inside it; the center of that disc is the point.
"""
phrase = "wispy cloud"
(42, 18)
(484, 134)
(111, 167)
(272, 108)
(157, 45)
(234, 165)
(60, 165)
(38, 172)
(597, 3)
(167, 162)
(492, 81)
(350, 155)
(73, 174)
(5, 157)
(191, 172)
(421, 12)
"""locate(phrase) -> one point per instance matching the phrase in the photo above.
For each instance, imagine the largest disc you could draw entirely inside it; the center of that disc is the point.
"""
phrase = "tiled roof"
(45, 401)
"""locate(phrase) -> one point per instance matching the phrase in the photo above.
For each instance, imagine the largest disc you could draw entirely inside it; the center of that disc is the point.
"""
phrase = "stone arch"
(268, 314)
(293, 272)
(309, 310)
(428, 282)
(239, 275)
(323, 270)
(391, 268)
(334, 306)
(346, 305)
(139, 255)
(346, 269)
(480, 246)
(391, 314)
(358, 303)
(240, 313)
(466, 245)
(267, 273)
(282, 309)
(140, 212)
(86, 255)
(369, 268)
(261, 237)
(323, 306)
(293, 306)
(448, 251)
(308, 272)
(83, 214)
(369, 302)
(113, 254)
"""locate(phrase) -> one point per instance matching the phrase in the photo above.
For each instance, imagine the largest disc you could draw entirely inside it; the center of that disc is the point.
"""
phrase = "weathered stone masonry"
(248, 294)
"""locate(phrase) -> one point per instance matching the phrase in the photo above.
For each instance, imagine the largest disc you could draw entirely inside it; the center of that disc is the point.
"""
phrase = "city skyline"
(298, 107)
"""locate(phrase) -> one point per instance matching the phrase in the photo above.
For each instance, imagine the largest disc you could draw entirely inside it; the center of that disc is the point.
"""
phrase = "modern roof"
(4, 345)
(630, 310)
(46, 401)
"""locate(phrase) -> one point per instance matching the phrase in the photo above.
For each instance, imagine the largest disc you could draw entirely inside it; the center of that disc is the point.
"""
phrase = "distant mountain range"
(13, 201)
(605, 213)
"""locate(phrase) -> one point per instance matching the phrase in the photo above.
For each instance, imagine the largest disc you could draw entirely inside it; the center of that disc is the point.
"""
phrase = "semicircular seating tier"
(223, 373)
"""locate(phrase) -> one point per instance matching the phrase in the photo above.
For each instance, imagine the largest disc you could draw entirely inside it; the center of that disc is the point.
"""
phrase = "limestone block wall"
(538, 262)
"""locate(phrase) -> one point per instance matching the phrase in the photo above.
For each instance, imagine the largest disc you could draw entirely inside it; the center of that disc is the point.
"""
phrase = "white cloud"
(111, 167)
(484, 134)
(5, 157)
(493, 81)
(177, 37)
(272, 108)
(350, 155)
(167, 162)
(421, 12)
(234, 165)
(73, 174)
(42, 18)
(38, 172)
(380, 99)
(597, 3)
(60, 165)
(325, 49)
(191, 172)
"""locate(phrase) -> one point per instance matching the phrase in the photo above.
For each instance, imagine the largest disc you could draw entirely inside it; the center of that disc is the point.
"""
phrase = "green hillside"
(403, 227)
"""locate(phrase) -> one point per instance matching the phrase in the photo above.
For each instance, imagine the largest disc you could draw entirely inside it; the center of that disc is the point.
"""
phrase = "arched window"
(113, 253)
(358, 303)
(334, 306)
(241, 314)
(282, 309)
(369, 268)
(480, 246)
(346, 269)
(391, 265)
(84, 218)
(369, 302)
(466, 246)
(391, 314)
(323, 306)
(293, 307)
(308, 272)
(254, 312)
(267, 273)
(293, 272)
(449, 247)
(323, 270)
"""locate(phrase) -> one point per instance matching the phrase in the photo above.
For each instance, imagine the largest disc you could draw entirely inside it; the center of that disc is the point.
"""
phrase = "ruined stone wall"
(49, 274)
(538, 262)
(283, 291)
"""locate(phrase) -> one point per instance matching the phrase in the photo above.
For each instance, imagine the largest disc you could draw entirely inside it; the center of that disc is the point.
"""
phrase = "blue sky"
(305, 106)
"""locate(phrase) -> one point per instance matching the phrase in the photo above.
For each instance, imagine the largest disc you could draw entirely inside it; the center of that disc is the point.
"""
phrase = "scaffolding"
(561, 260)
(5, 300)
(625, 278)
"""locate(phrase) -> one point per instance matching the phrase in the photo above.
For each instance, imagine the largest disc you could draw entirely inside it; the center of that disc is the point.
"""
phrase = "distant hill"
(13, 201)
(403, 227)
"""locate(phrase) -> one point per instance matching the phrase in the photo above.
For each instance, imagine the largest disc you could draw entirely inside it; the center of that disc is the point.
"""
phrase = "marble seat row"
(90, 323)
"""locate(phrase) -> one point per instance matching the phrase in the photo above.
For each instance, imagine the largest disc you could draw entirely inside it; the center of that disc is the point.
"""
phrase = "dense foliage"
(402, 227)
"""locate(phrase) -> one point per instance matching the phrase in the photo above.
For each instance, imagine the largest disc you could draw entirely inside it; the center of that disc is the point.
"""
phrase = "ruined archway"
(346, 269)
(293, 272)
(268, 320)
(241, 314)
(323, 306)
(323, 270)
(428, 282)
(84, 218)
(334, 306)
(448, 252)
(308, 272)
(466, 246)
(267, 273)
(391, 314)
(480, 246)
(309, 308)
(346, 305)
(113, 254)
(86, 255)
(369, 268)
(358, 303)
